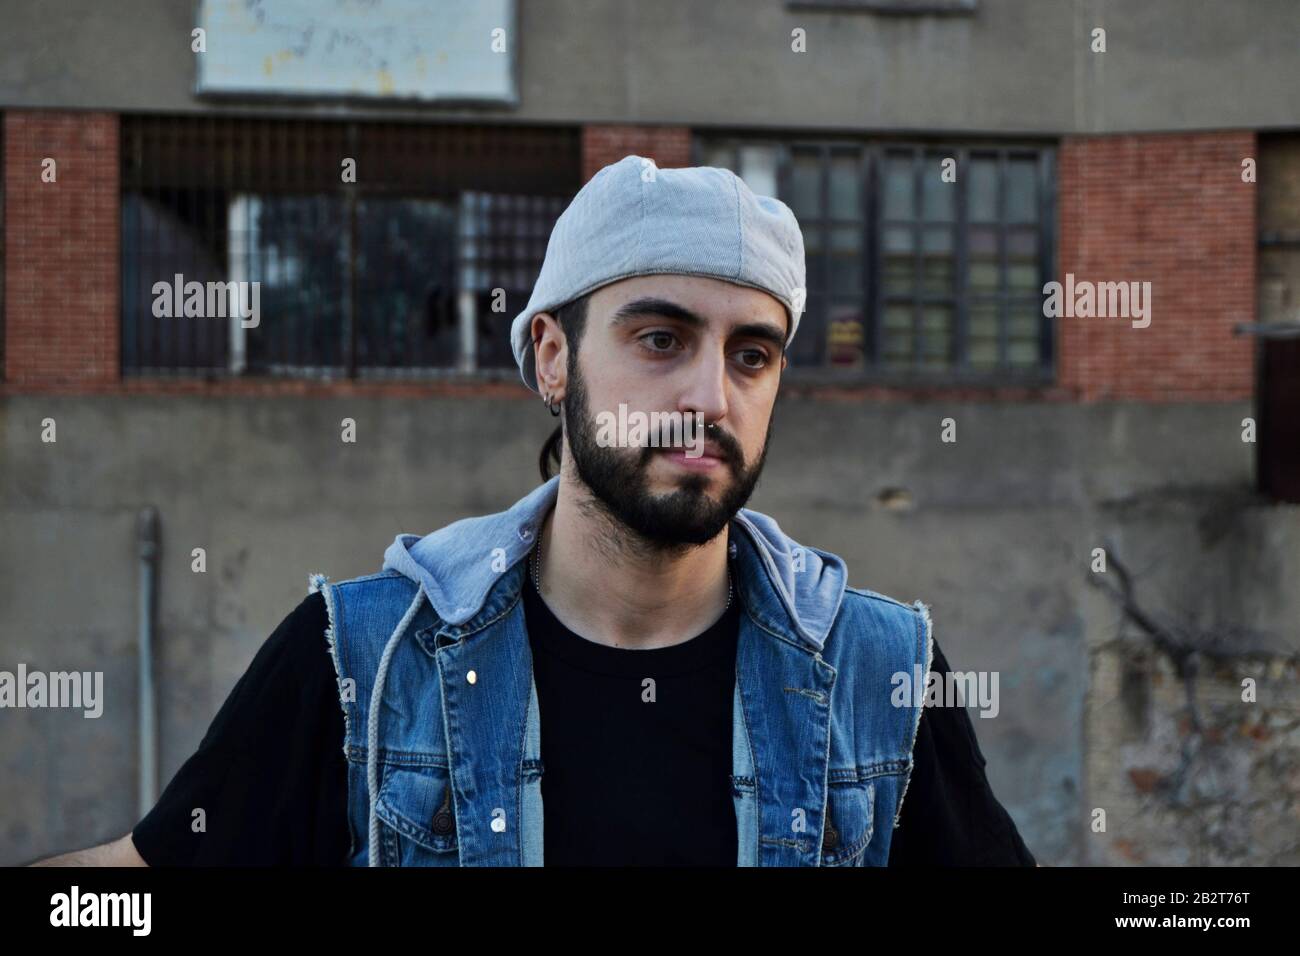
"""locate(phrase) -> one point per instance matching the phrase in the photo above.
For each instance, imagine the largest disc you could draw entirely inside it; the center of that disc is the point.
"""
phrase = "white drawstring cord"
(372, 724)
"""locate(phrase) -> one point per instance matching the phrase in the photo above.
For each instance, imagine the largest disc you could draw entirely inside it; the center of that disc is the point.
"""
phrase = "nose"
(705, 386)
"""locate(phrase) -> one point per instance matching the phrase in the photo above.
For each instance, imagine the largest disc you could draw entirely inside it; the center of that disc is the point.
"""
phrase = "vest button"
(443, 821)
(472, 677)
(831, 838)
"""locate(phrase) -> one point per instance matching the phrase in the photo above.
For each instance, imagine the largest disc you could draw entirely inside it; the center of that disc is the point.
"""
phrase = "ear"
(550, 353)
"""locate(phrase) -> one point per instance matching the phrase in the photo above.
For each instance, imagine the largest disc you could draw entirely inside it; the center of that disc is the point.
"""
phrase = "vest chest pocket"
(417, 820)
(850, 821)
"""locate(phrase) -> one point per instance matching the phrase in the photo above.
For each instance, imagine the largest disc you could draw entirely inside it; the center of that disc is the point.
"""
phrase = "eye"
(663, 338)
(761, 357)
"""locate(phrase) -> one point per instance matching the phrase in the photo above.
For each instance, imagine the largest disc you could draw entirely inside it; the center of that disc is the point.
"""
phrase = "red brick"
(668, 146)
(1169, 209)
(61, 248)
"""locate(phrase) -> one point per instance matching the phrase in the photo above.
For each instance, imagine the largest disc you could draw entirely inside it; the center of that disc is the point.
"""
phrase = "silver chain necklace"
(537, 570)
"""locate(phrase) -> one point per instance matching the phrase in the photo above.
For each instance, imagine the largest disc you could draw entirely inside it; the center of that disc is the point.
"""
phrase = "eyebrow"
(652, 305)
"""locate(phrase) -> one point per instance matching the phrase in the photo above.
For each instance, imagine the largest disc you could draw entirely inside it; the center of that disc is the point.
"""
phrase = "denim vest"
(443, 736)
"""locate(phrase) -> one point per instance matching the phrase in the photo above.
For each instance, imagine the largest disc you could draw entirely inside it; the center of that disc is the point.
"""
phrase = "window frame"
(268, 157)
(874, 150)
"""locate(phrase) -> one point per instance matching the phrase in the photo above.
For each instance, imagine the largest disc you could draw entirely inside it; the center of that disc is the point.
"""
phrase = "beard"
(619, 480)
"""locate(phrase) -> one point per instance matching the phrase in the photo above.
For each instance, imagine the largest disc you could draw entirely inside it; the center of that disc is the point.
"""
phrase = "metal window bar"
(1003, 310)
(1047, 255)
(847, 219)
(918, 262)
(2, 250)
(961, 260)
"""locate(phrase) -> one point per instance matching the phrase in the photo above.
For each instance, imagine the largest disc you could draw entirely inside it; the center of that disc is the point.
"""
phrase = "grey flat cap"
(633, 219)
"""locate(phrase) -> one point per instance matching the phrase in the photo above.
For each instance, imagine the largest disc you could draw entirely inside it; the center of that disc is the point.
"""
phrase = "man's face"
(682, 344)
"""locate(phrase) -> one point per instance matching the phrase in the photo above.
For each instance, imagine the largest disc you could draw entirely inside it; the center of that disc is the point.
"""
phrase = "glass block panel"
(899, 261)
(1022, 190)
(896, 334)
(815, 259)
(938, 198)
(846, 260)
(1023, 322)
(846, 186)
(1022, 354)
(898, 317)
(982, 190)
(936, 335)
(982, 333)
(1022, 276)
(900, 188)
(982, 353)
(938, 266)
(1022, 261)
(806, 184)
(982, 260)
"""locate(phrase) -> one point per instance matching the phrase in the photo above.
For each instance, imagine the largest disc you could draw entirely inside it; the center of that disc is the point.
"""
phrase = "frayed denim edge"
(318, 582)
(916, 727)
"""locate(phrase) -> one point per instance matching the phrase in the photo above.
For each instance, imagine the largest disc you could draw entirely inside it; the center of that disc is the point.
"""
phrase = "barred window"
(413, 267)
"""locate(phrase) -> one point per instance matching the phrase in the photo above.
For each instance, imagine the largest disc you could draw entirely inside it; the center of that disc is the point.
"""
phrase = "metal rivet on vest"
(472, 677)
(443, 821)
(525, 533)
(831, 838)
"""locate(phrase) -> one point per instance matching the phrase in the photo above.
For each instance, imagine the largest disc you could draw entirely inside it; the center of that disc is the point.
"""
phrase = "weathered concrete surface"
(995, 532)
(1017, 66)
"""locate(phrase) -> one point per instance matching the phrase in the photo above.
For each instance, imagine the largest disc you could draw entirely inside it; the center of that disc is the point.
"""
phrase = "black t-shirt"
(271, 781)
(636, 750)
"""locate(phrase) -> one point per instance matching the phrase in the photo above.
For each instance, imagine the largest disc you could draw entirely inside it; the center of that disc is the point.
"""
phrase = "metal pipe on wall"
(147, 540)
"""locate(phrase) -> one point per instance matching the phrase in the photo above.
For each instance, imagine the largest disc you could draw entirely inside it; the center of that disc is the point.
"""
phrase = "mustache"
(727, 447)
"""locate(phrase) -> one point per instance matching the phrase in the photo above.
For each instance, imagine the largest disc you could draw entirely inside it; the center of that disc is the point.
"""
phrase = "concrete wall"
(995, 531)
(1015, 66)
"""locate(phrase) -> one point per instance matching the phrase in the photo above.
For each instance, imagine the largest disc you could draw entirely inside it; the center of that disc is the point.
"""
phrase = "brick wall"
(1170, 210)
(1165, 208)
(668, 146)
(61, 248)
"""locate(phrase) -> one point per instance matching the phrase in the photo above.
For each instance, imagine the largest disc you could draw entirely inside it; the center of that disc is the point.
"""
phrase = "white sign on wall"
(461, 50)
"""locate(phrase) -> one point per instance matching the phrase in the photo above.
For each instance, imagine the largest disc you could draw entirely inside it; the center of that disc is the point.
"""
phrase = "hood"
(457, 565)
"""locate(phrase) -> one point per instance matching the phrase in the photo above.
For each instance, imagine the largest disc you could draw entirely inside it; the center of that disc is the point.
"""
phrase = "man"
(668, 674)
